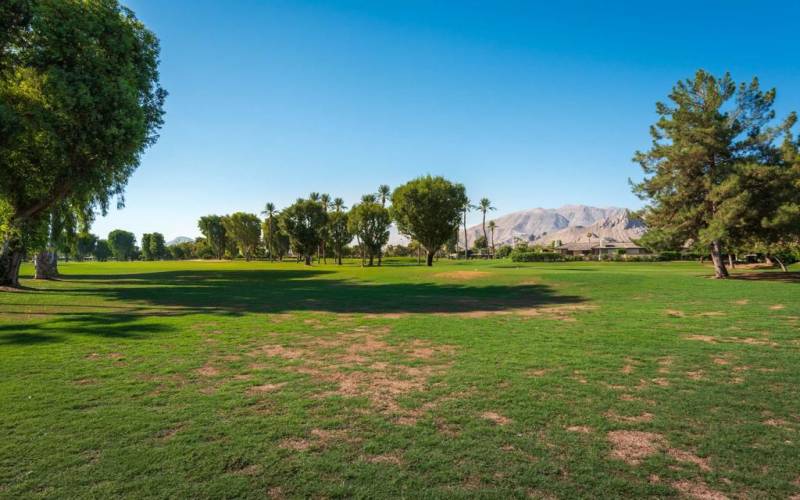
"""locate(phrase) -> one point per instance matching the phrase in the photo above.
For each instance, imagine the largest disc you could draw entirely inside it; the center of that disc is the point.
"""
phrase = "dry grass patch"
(687, 457)
(495, 417)
(264, 388)
(776, 307)
(698, 490)
(675, 313)
(394, 458)
(356, 364)
(634, 446)
(583, 429)
(207, 371)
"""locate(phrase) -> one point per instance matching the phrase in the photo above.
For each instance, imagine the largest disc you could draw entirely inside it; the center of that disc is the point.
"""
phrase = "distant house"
(601, 248)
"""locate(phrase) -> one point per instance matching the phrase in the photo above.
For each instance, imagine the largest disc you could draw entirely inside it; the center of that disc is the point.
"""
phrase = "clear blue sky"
(528, 103)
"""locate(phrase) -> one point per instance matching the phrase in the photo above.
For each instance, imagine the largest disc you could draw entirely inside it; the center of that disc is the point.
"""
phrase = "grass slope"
(210, 379)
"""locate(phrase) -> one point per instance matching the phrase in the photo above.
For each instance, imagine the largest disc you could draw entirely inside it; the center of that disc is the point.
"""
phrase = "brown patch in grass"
(167, 434)
(696, 375)
(698, 490)
(388, 315)
(627, 369)
(661, 382)
(721, 361)
(710, 314)
(776, 307)
(685, 456)
(330, 360)
(626, 419)
(583, 429)
(462, 275)
(496, 418)
(207, 371)
(777, 422)
(385, 458)
(742, 302)
(675, 313)
(634, 446)
(664, 364)
(295, 444)
(86, 381)
(264, 388)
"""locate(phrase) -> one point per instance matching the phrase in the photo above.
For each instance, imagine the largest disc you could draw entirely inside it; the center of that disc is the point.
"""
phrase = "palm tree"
(325, 199)
(369, 198)
(467, 208)
(338, 204)
(383, 193)
(492, 226)
(484, 206)
(313, 196)
(270, 212)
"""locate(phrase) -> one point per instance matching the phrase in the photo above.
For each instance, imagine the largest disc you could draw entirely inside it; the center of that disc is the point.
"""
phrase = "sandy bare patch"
(385, 458)
(264, 388)
(629, 419)
(664, 364)
(462, 275)
(496, 418)
(86, 381)
(741, 302)
(776, 307)
(661, 382)
(583, 429)
(698, 490)
(777, 422)
(685, 456)
(696, 375)
(387, 315)
(721, 361)
(710, 314)
(634, 446)
(675, 313)
(355, 364)
(295, 444)
(627, 369)
(207, 371)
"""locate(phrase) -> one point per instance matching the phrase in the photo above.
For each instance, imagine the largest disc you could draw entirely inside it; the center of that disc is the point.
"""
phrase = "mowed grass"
(212, 379)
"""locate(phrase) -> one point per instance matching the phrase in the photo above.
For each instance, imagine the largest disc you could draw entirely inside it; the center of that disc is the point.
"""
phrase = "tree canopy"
(245, 230)
(80, 100)
(707, 143)
(428, 209)
(370, 221)
(122, 244)
(214, 230)
(304, 223)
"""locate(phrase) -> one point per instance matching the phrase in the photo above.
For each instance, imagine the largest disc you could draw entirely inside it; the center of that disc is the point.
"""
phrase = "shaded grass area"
(489, 379)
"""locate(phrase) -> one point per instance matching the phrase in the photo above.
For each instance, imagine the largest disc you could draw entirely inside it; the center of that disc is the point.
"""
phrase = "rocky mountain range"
(567, 224)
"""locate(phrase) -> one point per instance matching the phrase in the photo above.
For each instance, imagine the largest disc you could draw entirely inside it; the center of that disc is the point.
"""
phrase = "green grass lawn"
(492, 379)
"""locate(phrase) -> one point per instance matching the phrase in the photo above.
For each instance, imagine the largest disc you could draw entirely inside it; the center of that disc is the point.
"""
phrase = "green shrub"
(523, 256)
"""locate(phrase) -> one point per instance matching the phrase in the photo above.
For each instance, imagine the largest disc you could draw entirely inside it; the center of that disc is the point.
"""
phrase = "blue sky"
(532, 104)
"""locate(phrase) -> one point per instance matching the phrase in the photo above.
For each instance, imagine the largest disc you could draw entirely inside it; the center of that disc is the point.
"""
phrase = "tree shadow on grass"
(234, 292)
(788, 277)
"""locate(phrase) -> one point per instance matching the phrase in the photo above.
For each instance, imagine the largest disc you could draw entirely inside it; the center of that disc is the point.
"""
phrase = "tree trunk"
(10, 261)
(493, 243)
(466, 243)
(780, 263)
(419, 254)
(46, 265)
(370, 260)
(768, 260)
(339, 258)
(719, 265)
(731, 261)
(308, 260)
(430, 259)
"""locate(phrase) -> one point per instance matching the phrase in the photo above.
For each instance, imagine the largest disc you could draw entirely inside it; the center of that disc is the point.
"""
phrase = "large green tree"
(102, 251)
(428, 209)
(214, 230)
(158, 247)
(80, 100)
(339, 233)
(304, 223)
(84, 244)
(122, 244)
(269, 228)
(245, 230)
(707, 136)
(146, 239)
(370, 221)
